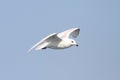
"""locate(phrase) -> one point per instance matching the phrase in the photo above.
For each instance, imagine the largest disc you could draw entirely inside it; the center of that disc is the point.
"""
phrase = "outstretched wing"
(45, 41)
(74, 32)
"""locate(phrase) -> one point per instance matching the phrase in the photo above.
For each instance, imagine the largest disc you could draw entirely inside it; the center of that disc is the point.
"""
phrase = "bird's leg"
(44, 47)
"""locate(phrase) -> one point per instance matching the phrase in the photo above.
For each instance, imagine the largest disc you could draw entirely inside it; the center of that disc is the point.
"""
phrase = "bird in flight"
(58, 40)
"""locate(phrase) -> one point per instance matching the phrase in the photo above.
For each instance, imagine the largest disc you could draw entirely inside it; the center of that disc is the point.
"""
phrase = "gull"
(58, 40)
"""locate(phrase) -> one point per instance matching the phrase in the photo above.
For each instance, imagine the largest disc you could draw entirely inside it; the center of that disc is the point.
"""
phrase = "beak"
(77, 45)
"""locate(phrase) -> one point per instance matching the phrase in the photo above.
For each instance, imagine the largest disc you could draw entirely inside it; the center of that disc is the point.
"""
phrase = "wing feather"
(74, 32)
(44, 42)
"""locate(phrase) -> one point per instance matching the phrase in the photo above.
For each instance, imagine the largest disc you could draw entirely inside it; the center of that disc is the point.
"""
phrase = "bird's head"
(73, 42)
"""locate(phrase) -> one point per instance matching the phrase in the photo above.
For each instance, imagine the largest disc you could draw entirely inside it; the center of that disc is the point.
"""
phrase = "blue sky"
(25, 22)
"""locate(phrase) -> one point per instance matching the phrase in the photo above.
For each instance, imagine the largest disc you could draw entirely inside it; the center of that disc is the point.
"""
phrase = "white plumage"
(58, 41)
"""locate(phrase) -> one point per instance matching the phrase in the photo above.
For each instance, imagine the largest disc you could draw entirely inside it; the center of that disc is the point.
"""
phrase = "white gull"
(58, 40)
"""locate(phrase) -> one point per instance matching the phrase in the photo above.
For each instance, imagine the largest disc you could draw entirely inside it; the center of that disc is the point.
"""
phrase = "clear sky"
(25, 22)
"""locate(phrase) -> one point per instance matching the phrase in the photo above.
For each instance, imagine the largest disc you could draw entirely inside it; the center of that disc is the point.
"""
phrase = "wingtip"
(77, 28)
(29, 51)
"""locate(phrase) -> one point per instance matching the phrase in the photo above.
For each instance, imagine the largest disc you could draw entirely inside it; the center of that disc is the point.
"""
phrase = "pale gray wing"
(45, 41)
(74, 32)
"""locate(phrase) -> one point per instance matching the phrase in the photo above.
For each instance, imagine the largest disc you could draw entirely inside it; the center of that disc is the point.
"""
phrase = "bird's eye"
(72, 41)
